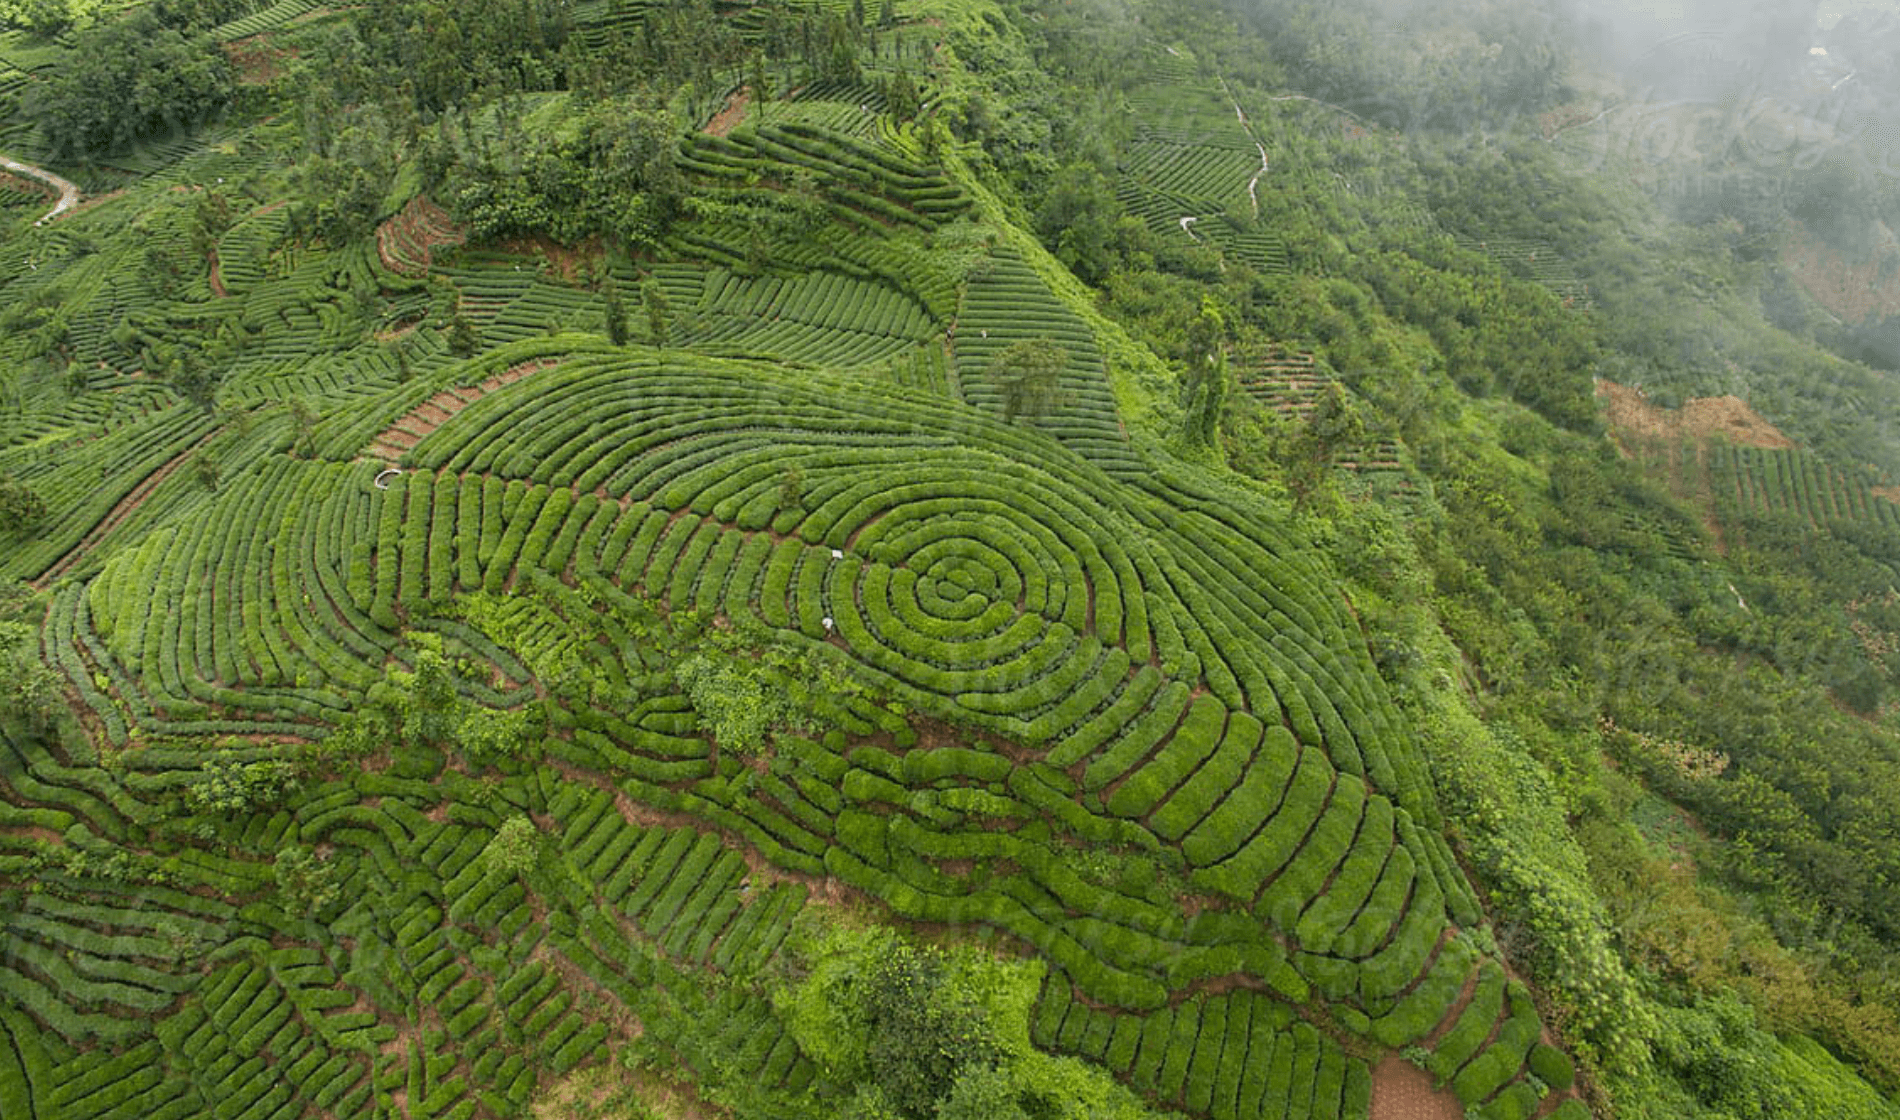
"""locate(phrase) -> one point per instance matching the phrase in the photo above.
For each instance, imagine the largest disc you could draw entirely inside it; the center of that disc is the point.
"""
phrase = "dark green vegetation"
(946, 560)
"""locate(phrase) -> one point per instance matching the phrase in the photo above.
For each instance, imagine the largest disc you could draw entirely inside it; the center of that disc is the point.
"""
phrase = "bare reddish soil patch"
(1731, 418)
(1856, 291)
(569, 262)
(728, 118)
(33, 832)
(407, 242)
(1890, 493)
(1402, 1091)
(258, 63)
(1700, 419)
(437, 410)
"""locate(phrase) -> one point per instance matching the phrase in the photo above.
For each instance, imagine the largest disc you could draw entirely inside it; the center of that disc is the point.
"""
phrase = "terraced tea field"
(1539, 261)
(1722, 455)
(1114, 681)
(1794, 481)
(1196, 162)
(387, 782)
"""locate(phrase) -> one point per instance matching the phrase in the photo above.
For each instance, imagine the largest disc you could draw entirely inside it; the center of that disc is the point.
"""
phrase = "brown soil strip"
(1465, 995)
(1402, 1091)
(729, 117)
(127, 505)
(1431, 962)
(1889, 493)
(217, 276)
(33, 832)
(425, 418)
(9, 182)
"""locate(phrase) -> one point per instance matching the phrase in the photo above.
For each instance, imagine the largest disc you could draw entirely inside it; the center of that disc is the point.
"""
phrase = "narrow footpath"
(68, 190)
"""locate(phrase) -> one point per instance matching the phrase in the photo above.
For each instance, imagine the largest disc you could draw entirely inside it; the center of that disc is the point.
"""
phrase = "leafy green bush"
(1552, 1067)
(911, 1021)
(515, 848)
(21, 507)
(231, 788)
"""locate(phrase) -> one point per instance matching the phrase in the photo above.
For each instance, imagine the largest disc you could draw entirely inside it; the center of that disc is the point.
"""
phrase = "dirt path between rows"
(68, 190)
(1253, 184)
(1402, 1091)
(124, 509)
(419, 422)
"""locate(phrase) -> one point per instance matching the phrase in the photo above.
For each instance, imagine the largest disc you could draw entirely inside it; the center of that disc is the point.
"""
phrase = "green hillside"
(907, 560)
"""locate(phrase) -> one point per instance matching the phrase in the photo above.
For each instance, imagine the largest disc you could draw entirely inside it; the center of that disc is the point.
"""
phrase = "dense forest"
(907, 559)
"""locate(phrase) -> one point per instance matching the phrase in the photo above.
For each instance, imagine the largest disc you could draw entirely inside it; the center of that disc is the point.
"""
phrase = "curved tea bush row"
(285, 1004)
(1234, 1056)
(1189, 687)
(263, 20)
(821, 299)
(861, 172)
(1537, 260)
(82, 486)
(819, 317)
(747, 494)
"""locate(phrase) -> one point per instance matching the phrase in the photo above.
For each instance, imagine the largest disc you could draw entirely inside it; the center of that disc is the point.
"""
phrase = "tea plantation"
(1027, 672)
(585, 560)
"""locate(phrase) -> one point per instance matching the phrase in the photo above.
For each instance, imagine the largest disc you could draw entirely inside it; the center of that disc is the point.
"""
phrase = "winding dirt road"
(68, 191)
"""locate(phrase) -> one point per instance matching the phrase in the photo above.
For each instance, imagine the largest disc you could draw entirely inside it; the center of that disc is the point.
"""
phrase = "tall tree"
(615, 310)
(195, 378)
(1333, 426)
(1206, 383)
(1029, 375)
